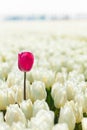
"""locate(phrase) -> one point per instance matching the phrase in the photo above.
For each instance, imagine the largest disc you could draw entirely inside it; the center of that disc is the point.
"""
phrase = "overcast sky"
(48, 7)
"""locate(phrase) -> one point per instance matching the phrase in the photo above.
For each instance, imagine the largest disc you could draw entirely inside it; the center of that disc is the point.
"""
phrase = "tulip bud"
(37, 91)
(39, 105)
(59, 95)
(25, 61)
(27, 108)
(67, 116)
(14, 114)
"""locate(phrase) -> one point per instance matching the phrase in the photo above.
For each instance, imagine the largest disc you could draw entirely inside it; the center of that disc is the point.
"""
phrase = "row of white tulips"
(60, 66)
(26, 116)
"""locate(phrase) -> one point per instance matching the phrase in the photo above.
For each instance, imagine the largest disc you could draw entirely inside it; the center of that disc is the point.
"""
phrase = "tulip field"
(56, 76)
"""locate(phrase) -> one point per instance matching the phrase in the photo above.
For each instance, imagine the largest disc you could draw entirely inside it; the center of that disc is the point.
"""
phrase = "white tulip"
(84, 124)
(11, 79)
(70, 90)
(7, 97)
(4, 126)
(67, 116)
(80, 100)
(14, 78)
(19, 94)
(55, 88)
(78, 111)
(27, 108)
(60, 126)
(3, 100)
(82, 86)
(44, 120)
(4, 70)
(11, 96)
(37, 91)
(39, 105)
(44, 75)
(85, 102)
(59, 95)
(3, 84)
(74, 75)
(14, 114)
(61, 77)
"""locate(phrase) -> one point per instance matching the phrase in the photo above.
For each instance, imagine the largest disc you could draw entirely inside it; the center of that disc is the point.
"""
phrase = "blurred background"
(42, 9)
(23, 21)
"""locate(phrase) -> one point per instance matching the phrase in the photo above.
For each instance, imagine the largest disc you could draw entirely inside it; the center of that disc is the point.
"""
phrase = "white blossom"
(14, 114)
(4, 126)
(60, 126)
(43, 120)
(7, 96)
(18, 126)
(59, 95)
(44, 75)
(39, 105)
(37, 91)
(70, 89)
(67, 116)
(27, 108)
(84, 124)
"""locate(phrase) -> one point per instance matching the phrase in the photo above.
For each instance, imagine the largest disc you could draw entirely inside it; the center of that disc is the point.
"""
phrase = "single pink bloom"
(25, 61)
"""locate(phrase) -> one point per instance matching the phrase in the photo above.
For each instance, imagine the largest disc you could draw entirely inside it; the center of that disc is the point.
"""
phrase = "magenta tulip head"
(25, 61)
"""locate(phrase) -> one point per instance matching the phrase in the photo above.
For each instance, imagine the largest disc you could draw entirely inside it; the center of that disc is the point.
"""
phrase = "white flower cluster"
(70, 97)
(60, 67)
(35, 116)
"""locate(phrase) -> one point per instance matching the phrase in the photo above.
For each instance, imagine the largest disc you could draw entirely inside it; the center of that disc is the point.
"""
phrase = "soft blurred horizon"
(43, 7)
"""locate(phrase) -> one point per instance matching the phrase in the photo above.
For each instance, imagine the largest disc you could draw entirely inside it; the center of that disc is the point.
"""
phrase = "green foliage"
(78, 126)
(4, 111)
(50, 102)
(84, 114)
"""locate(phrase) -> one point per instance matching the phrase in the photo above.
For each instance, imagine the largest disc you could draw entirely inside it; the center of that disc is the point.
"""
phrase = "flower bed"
(56, 87)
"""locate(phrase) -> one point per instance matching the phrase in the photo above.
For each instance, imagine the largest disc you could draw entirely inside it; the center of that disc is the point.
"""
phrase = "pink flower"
(25, 61)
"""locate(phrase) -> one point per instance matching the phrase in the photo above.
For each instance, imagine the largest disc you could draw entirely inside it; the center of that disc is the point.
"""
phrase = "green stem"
(51, 105)
(24, 85)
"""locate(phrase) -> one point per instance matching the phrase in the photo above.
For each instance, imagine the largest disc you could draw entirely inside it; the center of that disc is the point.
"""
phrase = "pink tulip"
(25, 63)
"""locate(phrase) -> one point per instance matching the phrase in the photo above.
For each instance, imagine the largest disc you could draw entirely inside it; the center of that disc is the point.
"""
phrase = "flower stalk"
(25, 63)
(24, 85)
